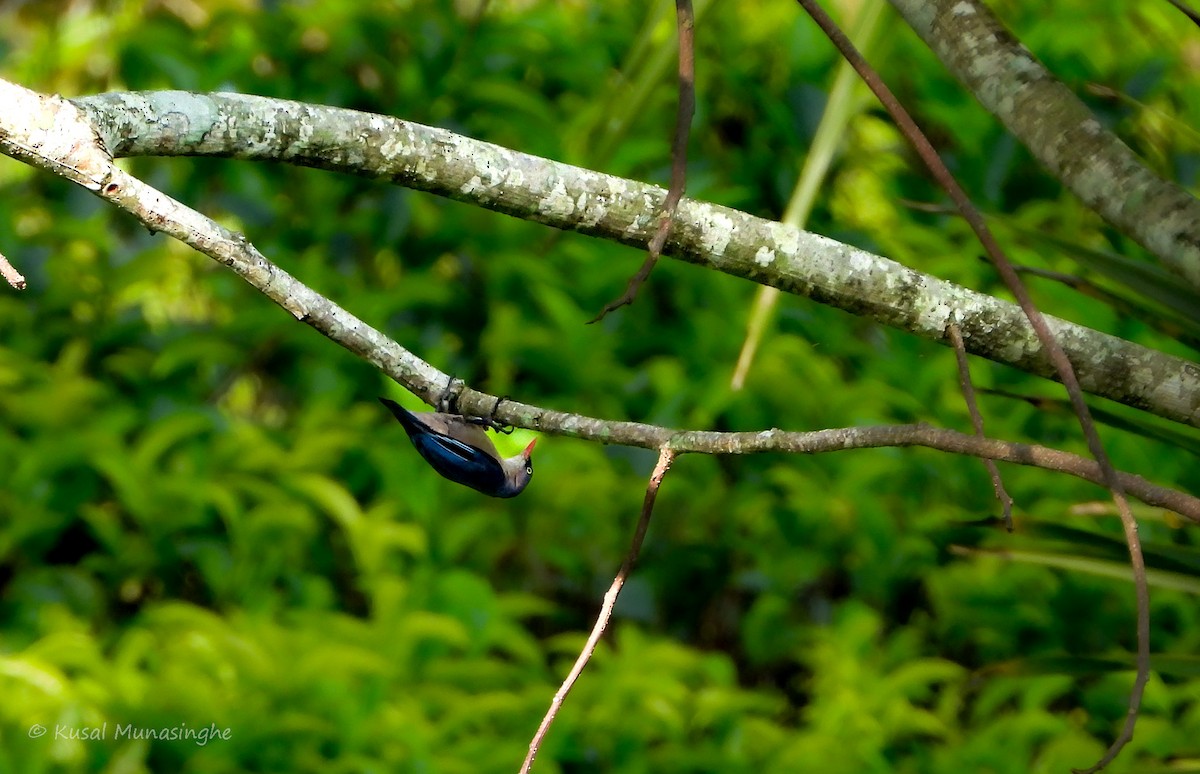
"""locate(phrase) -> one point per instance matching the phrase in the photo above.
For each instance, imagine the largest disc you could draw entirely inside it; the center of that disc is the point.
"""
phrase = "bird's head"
(518, 470)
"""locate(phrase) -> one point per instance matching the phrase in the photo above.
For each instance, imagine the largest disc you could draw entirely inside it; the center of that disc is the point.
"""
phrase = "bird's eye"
(529, 470)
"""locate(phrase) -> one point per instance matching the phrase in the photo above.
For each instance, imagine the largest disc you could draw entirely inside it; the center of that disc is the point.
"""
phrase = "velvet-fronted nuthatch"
(458, 448)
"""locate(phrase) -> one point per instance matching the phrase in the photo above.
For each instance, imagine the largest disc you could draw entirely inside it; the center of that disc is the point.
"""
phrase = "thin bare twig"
(968, 390)
(685, 21)
(1057, 357)
(665, 457)
(10, 274)
(1186, 10)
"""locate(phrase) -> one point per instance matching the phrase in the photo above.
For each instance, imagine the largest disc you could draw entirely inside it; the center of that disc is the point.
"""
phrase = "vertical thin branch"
(665, 457)
(685, 21)
(968, 390)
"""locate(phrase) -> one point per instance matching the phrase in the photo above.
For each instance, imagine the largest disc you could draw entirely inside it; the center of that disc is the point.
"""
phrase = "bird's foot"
(448, 400)
(491, 421)
(496, 424)
(448, 404)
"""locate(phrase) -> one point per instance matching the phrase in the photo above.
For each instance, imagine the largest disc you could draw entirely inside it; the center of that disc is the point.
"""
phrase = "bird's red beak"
(529, 449)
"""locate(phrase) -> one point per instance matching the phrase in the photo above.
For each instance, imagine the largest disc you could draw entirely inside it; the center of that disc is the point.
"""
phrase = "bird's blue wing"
(460, 462)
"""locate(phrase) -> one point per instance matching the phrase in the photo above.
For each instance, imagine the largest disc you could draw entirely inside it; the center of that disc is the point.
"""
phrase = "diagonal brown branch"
(968, 390)
(1186, 10)
(1062, 365)
(665, 457)
(686, 23)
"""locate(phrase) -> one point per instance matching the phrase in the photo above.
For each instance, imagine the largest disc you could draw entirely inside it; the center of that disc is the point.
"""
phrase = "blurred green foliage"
(207, 520)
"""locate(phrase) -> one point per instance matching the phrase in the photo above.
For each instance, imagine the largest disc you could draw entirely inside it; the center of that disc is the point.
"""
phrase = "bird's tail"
(406, 418)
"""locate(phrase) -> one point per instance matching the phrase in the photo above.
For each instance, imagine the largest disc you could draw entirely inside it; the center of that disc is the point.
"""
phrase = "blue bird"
(459, 449)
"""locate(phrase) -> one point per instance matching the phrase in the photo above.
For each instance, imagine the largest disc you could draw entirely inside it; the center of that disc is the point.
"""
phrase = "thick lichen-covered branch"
(1060, 131)
(568, 197)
